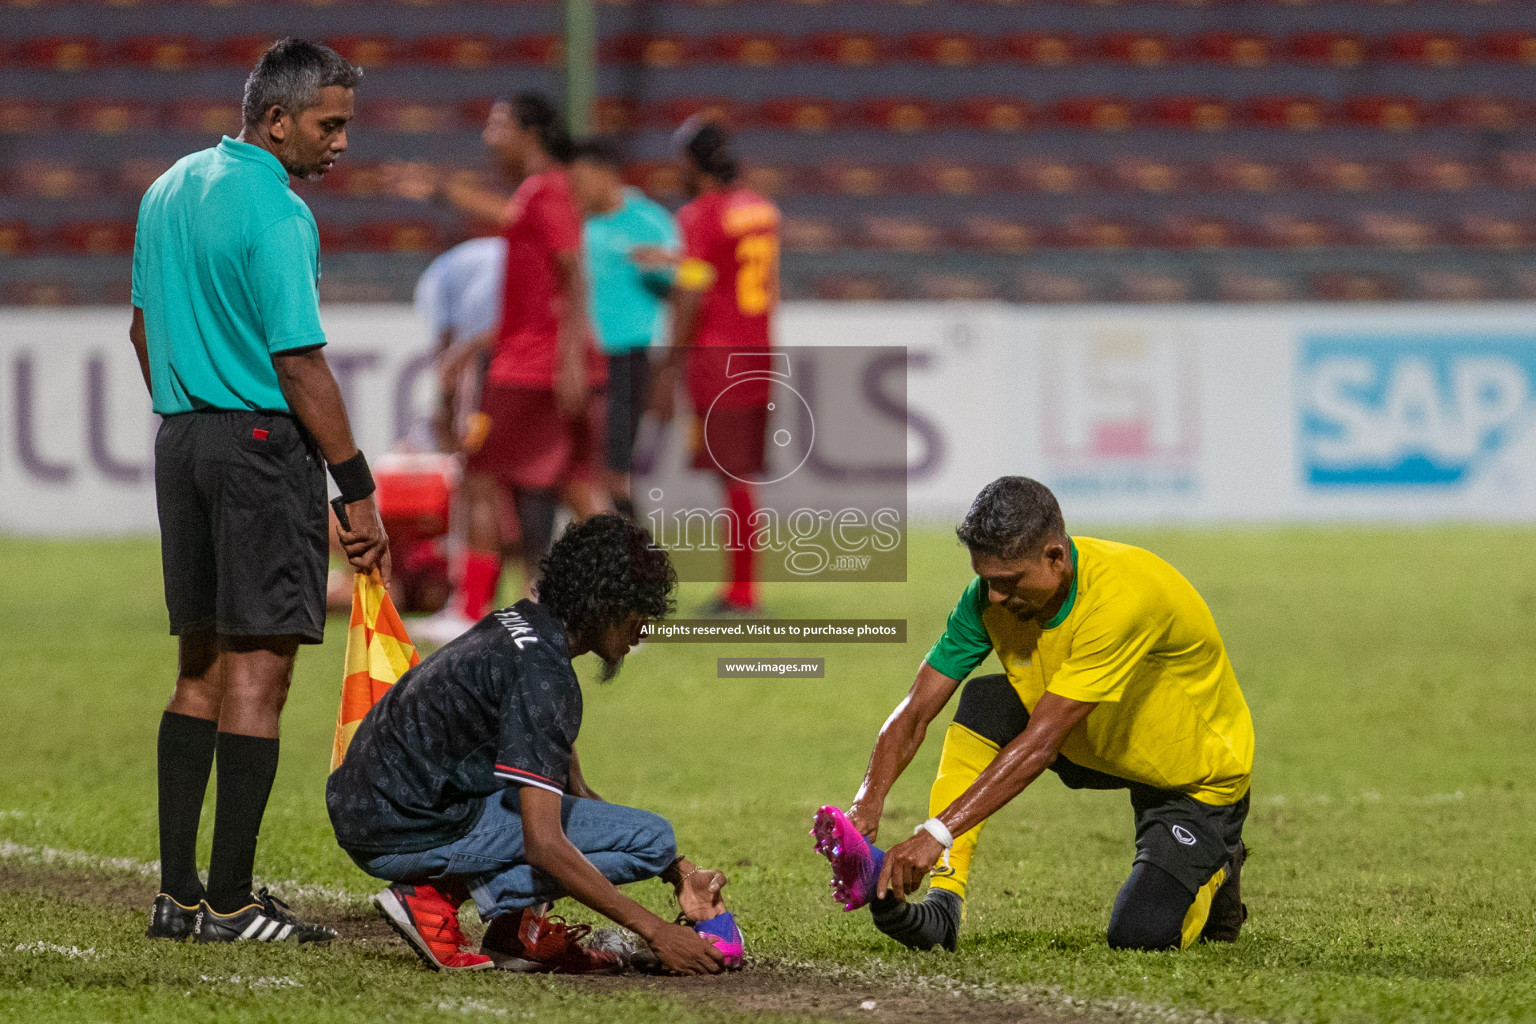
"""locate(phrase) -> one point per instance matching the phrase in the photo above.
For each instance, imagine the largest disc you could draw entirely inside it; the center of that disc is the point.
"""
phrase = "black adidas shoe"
(268, 919)
(171, 920)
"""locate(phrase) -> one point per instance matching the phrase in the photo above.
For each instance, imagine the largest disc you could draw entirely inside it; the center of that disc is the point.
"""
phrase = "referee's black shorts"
(244, 532)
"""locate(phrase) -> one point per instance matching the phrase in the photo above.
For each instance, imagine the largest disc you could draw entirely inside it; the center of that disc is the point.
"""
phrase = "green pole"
(580, 64)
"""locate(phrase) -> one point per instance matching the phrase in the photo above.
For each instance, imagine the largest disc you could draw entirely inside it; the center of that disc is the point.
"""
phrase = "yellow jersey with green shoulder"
(1135, 638)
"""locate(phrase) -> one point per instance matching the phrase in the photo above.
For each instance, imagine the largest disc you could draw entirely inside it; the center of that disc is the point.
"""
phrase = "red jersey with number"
(731, 255)
(541, 224)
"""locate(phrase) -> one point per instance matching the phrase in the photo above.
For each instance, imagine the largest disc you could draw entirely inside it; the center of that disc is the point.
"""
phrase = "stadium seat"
(1437, 50)
(950, 178)
(545, 51)
(1335, 49)
(38, 293)
(410, 118)
(855, 288)
(933, 286)
(17, 238)
(26, 117)
(1355, 286)
(1450, 286)
(1245, 174)
(1287, 231)
(1100, 233)
(660, 179)
(946, 49)
(1515, 170)
(1292, 113)
(398, 236)
(850, 49)
(61, 53)
(668, 114)
(52, 179)
(612, 115)
(1138, 49)
(994, 113)
(1388, 113)
(112, 117)
(770, 181)
(1335, 174)
(1440, 173)
(163, 53)
(752, 50)
(204, 117)
(1394, 231)
(1192, 113)
(1511, 47)
(1244, 286)
(463, 52)
(95, 237)
(1041, 49)
(1152, 286)
(1485, 231)
(239, 51)
(996, 234)
(1234, 49)
(651, 51)
(1489, 113)
(135, 174)
(900, 234)
(849, 178)
(906, 115)
(367, 51)
(1039, 286)
(1035, 174)
(811, 234)
(809, 116)
(1098, 113)
(1148, 175)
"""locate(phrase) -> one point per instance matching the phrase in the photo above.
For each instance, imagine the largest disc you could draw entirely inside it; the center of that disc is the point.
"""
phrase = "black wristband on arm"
(353, 478)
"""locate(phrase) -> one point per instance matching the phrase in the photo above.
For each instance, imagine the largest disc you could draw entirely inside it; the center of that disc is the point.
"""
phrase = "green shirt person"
(226, 326)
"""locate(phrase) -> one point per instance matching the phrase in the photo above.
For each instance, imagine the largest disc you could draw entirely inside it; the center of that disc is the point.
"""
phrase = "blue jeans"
(624, 843)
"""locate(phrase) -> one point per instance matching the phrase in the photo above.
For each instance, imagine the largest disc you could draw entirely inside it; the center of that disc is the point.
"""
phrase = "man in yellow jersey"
(1115, 677)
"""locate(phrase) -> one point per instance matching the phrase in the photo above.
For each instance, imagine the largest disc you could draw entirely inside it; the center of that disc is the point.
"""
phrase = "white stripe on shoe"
(272, 928)
(252, 928)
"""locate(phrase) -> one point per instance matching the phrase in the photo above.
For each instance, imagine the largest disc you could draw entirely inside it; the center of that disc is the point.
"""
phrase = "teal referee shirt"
(226, 267)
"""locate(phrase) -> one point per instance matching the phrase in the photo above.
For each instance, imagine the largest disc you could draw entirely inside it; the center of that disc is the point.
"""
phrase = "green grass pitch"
(1391, 678)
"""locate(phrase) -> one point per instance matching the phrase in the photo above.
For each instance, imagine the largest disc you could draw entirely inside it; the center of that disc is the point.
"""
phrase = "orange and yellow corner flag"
(379, 652)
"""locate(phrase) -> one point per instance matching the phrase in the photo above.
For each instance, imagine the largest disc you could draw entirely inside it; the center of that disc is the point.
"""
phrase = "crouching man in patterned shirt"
(462, 781)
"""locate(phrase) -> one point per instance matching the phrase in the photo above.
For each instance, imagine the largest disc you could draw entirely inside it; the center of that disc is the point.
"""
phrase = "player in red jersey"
(725, 293)
(541, 402)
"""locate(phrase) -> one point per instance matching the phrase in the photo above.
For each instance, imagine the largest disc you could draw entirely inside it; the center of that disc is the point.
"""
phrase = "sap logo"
(1183, 835)
(1413, 411)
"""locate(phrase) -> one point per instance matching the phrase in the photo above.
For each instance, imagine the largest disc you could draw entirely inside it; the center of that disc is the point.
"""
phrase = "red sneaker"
(429, 922)
(531, 943)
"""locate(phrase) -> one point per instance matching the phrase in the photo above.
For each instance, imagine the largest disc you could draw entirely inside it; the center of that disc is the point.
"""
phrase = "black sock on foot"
(931, 921)
(183, 761)
(247, 765)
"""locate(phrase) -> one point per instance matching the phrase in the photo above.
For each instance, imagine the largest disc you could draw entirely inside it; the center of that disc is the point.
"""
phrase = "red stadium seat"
(900, 234)
(1515, 170)
(1512, 47)
(1335, 49)
(1052, 176)
(946, 49)
(336, 237)
(1394, 231)
(613, 115)
(847, 178)
(1440, 173)
(1235, 49)
(38, 293)
(1450, 286)
(995, 234)
(26, 117)
(1244, 174)
(135, 174)
(204, 117)
(1427, 49)
(1243, 286)
(411, 118)
(464, 52)
(770, 181)
(1192, 113)
(1489, 113)
(668, 114)
(1039, 286)
(1286, 231)
(1152, 286)
(952, 179)
(545, 51)
(53, 179)
(1388, 113)
(95, 237)
(659, 179)
(1042, 49)
(1144, 174)
(1099, 113)
(809, 116)
(1292, 113)
(368, 51)
(850, 49)
(240, 51)
(752, 50)
(906, 115)
(811, 234)
(16, 238)
(1138, 49)
(954, 287)
(1099, 233)
(1485, 231)
(995, 114)
(652, 51)
(1355, 286)
(856, 288)
(61, 53)
(398, 236)
(164, 53)
(111, 117)
(1336, 174)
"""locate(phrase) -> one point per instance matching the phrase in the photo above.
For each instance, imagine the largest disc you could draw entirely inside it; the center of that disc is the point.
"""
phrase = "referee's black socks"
(184, 757)
(247, 766)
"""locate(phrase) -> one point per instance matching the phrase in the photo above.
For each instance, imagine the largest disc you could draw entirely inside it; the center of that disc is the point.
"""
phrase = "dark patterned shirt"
(500, 705)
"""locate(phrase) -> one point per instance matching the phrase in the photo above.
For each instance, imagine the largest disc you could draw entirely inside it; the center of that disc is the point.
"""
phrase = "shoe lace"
(447, 931)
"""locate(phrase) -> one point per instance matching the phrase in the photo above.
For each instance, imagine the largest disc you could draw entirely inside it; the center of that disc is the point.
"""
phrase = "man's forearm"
(476, 202)
(899, 741)
(315, 398)
(585, 884)
(140, 346)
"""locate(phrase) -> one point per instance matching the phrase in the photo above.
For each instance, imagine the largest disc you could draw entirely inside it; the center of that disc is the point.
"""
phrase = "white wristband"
(939, 831)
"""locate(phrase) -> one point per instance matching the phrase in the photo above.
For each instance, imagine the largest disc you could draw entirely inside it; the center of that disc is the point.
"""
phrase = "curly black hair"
(603, 570)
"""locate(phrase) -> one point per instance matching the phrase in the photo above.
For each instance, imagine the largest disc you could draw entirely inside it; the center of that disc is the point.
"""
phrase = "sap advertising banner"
(1278, 413)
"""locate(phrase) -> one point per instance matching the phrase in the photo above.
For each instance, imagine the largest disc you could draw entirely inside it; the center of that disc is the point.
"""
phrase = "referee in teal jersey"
(226, 324)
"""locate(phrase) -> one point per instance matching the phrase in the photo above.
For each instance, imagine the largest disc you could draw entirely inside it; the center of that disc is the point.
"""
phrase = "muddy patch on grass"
(766, 987)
